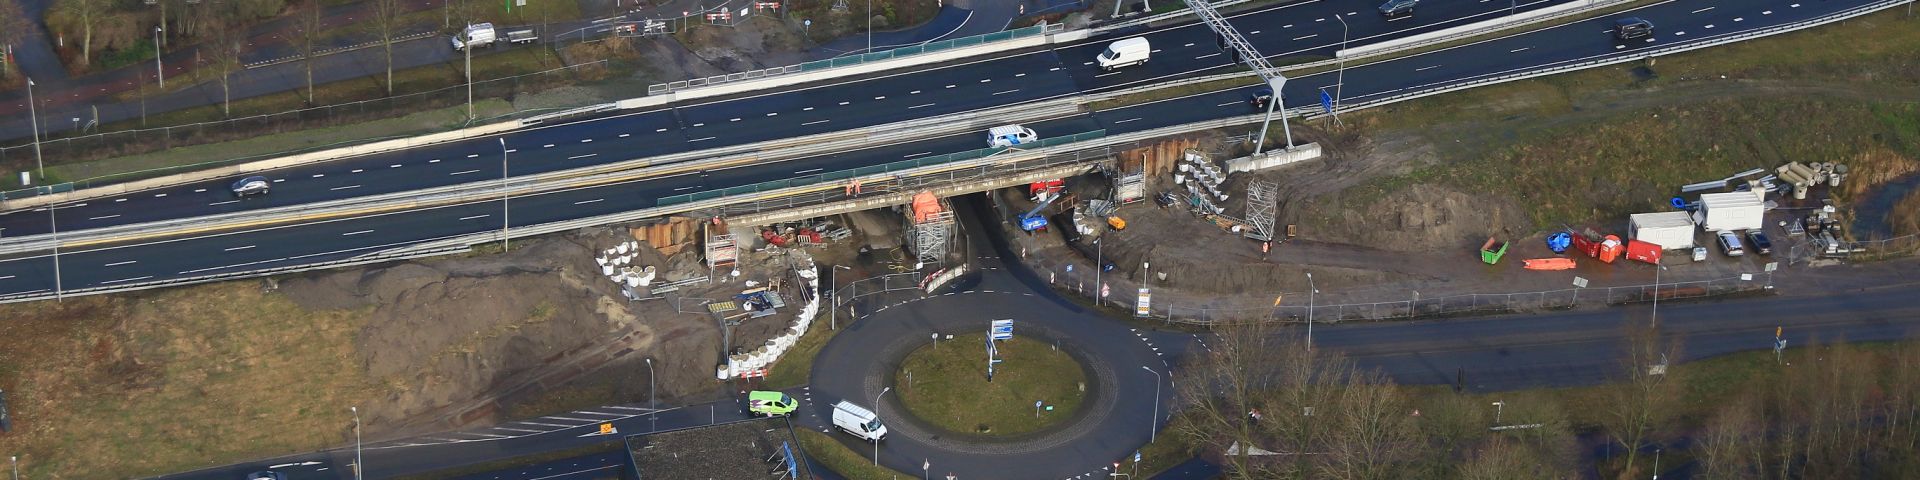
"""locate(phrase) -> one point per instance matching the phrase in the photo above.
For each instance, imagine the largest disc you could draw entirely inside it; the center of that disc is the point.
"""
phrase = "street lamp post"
(876, 415)
(833, 289)
(33, 113)
(1153, 425)
(53, 222)
(1655, 317)
(157, 66)
(1340, 78)
(1099, 260)
(653, 408)
(506, 215)
(357, 468)
(1311, 291)
(870, 38)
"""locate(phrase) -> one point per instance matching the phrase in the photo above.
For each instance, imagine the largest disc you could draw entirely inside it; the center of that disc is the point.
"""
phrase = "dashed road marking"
(1521, 49)
(918, 106)
(103, 218)
(356, 233)
(1006, 92)
(116, 264)
(1125, 121)
(1305, 37)
(475, 217)
(1422, 69)
(815, 122)
(701, 139)
(344, 188)
(1703, 9)
(584, 202)
(577, 157)
(235, 249)
(1214, 54)
(462, 172)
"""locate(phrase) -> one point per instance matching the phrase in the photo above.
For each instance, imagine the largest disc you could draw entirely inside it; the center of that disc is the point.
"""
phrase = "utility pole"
(1655, 317)
(157, 66)
(505, 214)
(876, 415)
(1311, 291)
(1153, 424)
(653, 407)
(34, 114)
(1340, 78)
(53, 222)
(1237, 46)
(358, 470)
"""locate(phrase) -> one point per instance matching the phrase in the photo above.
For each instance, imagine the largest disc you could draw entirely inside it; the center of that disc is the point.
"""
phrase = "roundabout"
(947, 386)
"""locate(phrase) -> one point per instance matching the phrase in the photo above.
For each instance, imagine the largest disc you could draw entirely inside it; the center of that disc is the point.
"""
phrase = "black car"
(1260, 98)
(1760, 243)
(1631, 28)
(1395, 8)
(266, 475)
(250, 186)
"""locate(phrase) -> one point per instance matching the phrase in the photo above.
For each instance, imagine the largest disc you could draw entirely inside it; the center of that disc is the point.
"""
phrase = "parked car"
(1760, 243)
(1730, 244)
(250, 186)
(1631, 28)
(1395, 8)
(760, 402)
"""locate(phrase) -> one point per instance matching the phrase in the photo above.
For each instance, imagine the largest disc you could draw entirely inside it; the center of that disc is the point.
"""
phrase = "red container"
(1587, 243)
(1610, 249)
(1643, 251)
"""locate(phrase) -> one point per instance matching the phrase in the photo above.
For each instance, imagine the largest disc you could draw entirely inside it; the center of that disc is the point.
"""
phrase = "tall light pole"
(870, 39)
(1099, 260)
(653, 408)
(1655, 317)
(34, 114)
(505, 215)
(1153, 425)
(833, 290)
(15, 461)
(157, 66)
(876, 416)
(1311, 291)
(1340, 78)
(53, 222)
(357, 468)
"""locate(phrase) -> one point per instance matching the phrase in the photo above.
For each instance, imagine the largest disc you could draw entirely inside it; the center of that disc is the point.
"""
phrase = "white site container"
(1732, 211)
(1669, 230)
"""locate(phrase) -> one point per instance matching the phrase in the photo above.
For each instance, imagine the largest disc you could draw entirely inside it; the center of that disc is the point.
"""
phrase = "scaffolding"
(1262, 198)
(930, 226)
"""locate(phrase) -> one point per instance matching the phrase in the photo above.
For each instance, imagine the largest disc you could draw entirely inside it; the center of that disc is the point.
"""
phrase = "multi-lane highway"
(839, 105)
(1181, 51)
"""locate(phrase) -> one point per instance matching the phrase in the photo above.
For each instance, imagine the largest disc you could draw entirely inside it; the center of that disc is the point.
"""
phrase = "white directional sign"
(1002, 330)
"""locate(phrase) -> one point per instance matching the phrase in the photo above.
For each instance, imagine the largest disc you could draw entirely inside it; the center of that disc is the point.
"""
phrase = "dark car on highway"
(1631, 28)
(1395, 8)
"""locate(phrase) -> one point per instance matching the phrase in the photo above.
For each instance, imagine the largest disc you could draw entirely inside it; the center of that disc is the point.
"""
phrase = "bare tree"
(84, 15)
(1730, 446)
(13, 26)
(1307, 388)
(1371, 435)
(307, 25)
(385, 20)
(1222, 392)
(222, 50)
(1511, 459)
(1642, 398)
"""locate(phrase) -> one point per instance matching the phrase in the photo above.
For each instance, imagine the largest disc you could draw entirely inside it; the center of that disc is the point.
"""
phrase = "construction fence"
(1859, 251)
(1297, 308)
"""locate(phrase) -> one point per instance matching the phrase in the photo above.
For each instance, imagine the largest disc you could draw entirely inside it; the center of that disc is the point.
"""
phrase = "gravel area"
(739, 450)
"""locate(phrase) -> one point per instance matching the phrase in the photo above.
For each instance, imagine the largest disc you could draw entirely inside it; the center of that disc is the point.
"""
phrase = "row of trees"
(1837, 412)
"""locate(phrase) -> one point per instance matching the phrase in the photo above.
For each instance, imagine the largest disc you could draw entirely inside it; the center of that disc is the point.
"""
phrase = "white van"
(858, 421)
(1010, 135)
(1132, 51)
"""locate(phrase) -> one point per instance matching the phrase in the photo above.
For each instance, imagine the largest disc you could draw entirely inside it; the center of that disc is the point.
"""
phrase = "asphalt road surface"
(777, 115)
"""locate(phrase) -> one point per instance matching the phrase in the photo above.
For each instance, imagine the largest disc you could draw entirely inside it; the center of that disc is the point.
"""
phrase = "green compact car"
(770, 403)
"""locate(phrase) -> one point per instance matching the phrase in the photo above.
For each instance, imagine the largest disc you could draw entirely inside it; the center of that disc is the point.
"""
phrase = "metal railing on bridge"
(851, 60)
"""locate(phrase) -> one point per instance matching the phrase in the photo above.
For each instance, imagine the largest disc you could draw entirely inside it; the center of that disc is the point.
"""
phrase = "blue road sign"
(1002, 330)
(1326, 101)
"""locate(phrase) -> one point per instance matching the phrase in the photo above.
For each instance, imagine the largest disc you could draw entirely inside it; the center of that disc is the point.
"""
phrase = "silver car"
(250, 186)
(1730, 244)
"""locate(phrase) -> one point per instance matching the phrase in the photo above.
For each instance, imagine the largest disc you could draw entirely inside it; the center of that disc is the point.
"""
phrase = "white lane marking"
(222, 203)
(844, 103)
(625, 135)
(198, 190)
(1287, 26)
(808, 109)
(733, 120)
(236, 248)
(119, 200)
(986, 80)
(521, 430)
(1088, 63)
(1106, 74)
(1214, 54)
(701, 139)
(1679, 33)
(1187, 45)
(1521, 49)
(1228, 103)
(1709, 25)
(1006, 92)
(1766, 12)
(916, 154)
(1125, 121)
(1422, 69)
(278, 180)
(434, 161)
(6, 277)
(589, 140)
(882, 97)
(637, 409)
(1703, 9)
(815, 122)
(1737, 19)
(657, 130)
(1305, 37)
(512, 150)
(570, 419)
(1794, 6)
(103, 218)
(577, 157)
(1255, 32)
(1399, 18)
(318, 175)
(344, 188)
(475, 216)
(1154, 51)
(159, 195)
(473, 155)
(700, 124)
(551, 145)
(358, 170)
(462, 172)
(356, 233)
(918, 106)
(394, 166)
(951, 86)
(810, 170)
(1054, 69)
(537, 424)
(1321, 19)
(773, 114)
(126, 279)
(116, 264)
(1018, 75)
(1619, 47)
(684, 189)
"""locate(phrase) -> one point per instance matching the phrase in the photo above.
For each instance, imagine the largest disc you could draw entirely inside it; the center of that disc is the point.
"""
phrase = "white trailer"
(1669, 230)
(1732, 211)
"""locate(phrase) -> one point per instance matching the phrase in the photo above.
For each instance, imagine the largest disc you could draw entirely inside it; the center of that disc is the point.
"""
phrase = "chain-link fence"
(89, 159)
(1298, 307)
(853, 293)
(1860, 250)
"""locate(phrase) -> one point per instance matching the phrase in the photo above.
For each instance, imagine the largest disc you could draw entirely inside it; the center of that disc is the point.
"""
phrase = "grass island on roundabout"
(944, 384)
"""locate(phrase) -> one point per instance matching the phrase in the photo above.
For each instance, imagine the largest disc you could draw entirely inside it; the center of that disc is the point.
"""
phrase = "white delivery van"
(476, 35)
(1121, 53)
(1010, 135)
(858, 421)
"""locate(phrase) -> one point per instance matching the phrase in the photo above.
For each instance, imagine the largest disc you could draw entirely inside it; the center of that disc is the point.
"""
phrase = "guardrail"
(1463, 32)
(893, 167)
(852, 60)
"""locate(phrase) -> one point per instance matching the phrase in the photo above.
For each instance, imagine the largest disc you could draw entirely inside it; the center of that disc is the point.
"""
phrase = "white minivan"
(1121, 53)
(1010, 135)
(858, 421)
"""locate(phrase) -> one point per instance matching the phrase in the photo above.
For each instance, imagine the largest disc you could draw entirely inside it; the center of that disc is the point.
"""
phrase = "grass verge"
(842, 460)
(946, 385)
(793, 368)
